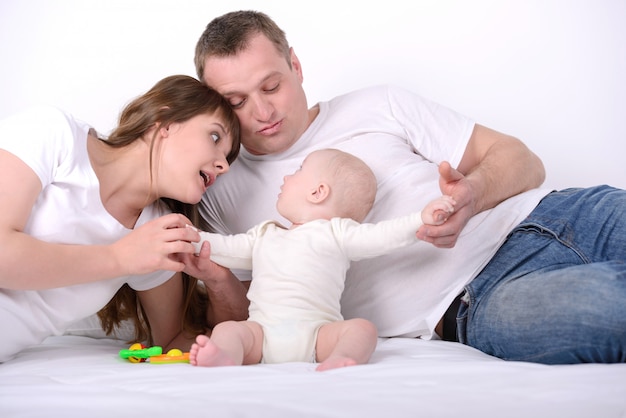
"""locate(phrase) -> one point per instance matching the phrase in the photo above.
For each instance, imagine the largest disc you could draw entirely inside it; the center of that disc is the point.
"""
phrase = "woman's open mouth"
(206, 178)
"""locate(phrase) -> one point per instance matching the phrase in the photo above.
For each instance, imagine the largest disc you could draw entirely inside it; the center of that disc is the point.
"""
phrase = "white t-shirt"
(403, 138)
(68, 210)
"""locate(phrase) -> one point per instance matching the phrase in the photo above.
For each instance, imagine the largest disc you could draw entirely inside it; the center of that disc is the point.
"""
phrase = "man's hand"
(227, 295)
(202, 268)
(455, 184)
(494, 167)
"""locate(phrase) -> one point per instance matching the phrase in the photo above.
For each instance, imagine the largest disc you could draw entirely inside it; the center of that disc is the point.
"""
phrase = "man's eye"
(236, 104)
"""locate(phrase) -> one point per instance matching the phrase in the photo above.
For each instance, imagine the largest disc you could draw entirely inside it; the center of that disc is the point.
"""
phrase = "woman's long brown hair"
(176, 98)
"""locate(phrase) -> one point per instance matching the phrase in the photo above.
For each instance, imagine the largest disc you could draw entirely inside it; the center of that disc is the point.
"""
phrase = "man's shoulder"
(368, 91)
(371, 97)
(363, 101)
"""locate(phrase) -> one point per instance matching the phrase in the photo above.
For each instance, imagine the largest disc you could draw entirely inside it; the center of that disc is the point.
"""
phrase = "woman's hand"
(154, 245)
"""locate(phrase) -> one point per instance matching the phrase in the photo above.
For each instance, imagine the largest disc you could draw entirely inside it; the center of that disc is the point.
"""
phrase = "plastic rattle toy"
(138, 353)
(173, 356)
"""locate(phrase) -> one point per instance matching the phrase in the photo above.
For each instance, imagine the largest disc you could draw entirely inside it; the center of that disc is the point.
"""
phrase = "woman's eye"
(215, 136)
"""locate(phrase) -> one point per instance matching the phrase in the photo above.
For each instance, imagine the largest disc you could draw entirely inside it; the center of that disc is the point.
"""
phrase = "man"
(419, 150)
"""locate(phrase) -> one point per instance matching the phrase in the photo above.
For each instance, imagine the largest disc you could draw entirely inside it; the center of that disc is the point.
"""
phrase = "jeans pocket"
(461, 322)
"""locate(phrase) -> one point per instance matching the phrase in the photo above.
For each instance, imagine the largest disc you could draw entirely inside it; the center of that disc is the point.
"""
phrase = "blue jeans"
(555, 292)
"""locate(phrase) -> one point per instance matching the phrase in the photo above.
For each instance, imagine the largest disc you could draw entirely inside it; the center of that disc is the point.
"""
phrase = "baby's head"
(352, 182)
(330, 183)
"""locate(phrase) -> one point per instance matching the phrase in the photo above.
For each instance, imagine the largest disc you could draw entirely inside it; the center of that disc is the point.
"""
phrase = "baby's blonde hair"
(352, 182)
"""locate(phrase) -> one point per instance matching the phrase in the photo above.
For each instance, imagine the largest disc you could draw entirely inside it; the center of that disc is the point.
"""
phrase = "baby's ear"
(319, 193)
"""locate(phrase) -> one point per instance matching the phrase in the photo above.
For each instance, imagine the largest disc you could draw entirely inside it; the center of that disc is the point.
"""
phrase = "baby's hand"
(438, 211)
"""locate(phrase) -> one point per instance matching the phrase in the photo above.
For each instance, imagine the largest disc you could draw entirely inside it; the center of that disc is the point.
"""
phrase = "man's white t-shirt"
(69, 210)
(403, 138)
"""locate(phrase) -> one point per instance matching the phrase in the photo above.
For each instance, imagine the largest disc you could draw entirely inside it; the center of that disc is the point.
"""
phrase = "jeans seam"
(536, 228)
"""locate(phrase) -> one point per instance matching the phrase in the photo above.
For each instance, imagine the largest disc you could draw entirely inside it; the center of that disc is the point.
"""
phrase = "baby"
(299, 271)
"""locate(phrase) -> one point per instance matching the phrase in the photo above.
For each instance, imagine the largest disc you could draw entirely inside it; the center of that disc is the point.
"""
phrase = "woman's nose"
(222, 166)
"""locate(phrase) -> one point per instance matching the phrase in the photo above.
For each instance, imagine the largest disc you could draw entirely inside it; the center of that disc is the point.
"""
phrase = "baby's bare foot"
(335, 363)
(205, 353)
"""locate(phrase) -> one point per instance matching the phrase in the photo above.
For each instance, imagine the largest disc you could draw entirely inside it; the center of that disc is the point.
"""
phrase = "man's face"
(265, 93)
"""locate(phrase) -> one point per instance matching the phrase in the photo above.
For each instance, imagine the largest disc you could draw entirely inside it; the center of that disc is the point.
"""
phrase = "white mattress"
(74, 376)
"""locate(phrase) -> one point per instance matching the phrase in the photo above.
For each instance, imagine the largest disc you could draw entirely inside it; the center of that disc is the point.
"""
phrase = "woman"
(82, 216)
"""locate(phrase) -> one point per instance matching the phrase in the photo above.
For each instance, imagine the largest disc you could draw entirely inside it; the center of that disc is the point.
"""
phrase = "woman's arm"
(163, 306)
(494, 167)
(30, 263)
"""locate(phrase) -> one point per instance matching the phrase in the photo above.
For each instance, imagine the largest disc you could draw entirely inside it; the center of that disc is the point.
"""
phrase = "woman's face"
(191, 155)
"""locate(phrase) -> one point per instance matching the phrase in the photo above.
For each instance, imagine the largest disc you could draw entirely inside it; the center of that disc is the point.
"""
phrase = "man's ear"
(320, 193)
(295, 64)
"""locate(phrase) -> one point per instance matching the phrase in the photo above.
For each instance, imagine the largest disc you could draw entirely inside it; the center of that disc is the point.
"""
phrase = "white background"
(551, 72)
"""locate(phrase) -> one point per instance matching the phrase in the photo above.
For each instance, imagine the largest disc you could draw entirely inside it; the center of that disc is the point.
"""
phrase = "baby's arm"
(230, 251)
(369, 240)
(438, 211)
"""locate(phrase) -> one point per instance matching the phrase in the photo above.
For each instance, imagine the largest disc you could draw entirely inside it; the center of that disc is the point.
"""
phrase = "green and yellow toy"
(138, 353)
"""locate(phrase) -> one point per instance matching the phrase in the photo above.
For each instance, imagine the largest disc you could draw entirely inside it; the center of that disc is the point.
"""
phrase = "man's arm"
(494, 167)
(227, 294)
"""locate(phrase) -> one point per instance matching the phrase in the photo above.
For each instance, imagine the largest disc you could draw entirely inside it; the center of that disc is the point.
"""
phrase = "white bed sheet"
(73, 376)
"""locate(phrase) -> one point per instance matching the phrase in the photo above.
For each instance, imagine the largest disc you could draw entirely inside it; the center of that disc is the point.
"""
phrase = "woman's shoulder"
(44, 121)
(41, 130)
(44, 113)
